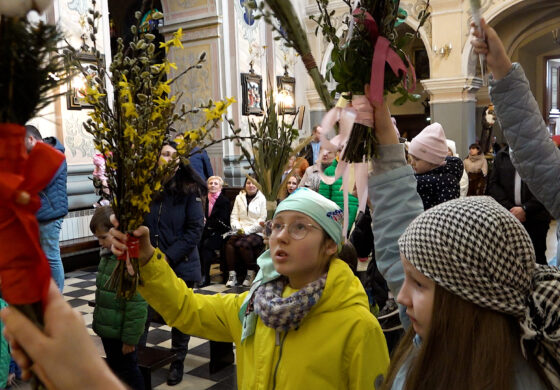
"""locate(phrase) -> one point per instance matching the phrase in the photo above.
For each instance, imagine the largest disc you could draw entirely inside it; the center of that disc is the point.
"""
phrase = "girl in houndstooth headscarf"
(483, 314)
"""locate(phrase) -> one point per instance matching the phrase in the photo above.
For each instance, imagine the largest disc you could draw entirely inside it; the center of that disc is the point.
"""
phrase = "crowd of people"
(477, 302)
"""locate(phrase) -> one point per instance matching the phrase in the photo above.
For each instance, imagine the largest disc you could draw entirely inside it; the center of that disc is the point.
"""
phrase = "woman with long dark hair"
(176, 222)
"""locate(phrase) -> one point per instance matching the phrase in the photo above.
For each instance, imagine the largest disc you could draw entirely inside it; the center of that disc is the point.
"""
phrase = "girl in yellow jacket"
(305, 323)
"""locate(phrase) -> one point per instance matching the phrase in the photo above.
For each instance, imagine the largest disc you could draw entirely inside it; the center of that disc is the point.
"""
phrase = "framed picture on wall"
(421, 64)
(286, 95)
(251, 84)
(76, 86)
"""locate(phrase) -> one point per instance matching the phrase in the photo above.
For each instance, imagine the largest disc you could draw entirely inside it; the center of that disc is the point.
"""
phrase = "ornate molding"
(413, 8)
(246, 21)
(315, 103)
(452, 89)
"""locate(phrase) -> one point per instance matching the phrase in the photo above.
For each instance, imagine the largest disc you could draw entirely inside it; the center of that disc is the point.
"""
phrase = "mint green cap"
(322, 210)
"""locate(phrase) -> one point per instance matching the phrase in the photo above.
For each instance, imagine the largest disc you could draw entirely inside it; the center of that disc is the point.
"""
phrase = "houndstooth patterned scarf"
(283, 314)
(476, 249)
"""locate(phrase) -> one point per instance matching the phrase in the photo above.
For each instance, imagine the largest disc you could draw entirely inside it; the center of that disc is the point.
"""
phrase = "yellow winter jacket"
(339, 344)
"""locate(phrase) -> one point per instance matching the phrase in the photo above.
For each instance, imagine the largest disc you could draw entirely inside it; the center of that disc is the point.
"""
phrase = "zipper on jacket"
(280, 343)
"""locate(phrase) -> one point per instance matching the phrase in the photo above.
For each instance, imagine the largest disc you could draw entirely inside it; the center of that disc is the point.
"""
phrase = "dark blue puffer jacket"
(54, 198)
(176, 222)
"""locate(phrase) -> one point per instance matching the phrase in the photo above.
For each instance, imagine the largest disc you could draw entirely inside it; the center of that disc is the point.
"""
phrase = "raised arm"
(534, 155)
(392, 190)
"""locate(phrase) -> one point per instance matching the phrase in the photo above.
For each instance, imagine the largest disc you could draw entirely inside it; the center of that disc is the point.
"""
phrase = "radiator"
(76, 225)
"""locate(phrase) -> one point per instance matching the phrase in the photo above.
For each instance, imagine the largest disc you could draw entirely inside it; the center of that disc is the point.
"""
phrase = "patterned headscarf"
(476, 249)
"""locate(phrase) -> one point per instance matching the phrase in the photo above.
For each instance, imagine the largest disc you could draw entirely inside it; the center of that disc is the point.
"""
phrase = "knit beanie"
(322, 210)
(476, 249)
(451, 145)
(430, 145)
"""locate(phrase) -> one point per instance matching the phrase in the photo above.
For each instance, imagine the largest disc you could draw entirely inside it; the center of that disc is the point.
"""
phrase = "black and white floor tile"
(79, 289)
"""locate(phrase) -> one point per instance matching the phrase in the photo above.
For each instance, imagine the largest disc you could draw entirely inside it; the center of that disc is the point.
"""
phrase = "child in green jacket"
(118, 322)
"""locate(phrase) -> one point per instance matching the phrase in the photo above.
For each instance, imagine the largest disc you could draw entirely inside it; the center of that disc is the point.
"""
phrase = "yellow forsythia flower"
(130, 109)
(162, 88)
(177, 38)
(129, 132)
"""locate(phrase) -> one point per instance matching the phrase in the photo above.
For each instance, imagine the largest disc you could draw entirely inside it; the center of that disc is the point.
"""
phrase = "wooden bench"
(67, 247)
(79, 253)
(150, 359)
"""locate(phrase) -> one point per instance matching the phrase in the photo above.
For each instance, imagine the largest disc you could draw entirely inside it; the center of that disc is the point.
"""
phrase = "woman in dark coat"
(176, 222)
(217, 213)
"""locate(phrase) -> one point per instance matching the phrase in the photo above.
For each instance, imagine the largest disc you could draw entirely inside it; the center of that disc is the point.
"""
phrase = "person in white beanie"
(438, 175)
(464, 182)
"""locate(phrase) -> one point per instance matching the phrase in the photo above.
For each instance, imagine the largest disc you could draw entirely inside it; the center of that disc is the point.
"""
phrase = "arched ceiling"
(527, 25)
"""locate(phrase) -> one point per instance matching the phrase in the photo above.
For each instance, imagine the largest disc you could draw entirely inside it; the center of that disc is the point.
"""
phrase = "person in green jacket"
(118, 322)
(335, 193)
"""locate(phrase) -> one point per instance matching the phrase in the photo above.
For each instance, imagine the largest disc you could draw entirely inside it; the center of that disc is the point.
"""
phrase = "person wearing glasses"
(305, 323)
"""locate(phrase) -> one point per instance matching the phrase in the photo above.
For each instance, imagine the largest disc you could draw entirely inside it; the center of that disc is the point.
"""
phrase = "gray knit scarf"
(283, 314)
(476, 249)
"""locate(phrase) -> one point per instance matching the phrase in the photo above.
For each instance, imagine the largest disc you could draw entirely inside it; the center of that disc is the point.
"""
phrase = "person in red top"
(24, 269)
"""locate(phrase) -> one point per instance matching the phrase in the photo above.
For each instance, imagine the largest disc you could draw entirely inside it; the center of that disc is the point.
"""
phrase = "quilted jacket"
(533, 154)
(54, 199)
(115, 318)
(176, 222)
(247, 217)
(440, 184)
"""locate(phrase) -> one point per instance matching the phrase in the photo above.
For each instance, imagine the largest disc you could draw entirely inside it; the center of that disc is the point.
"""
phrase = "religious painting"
(286, 95)
(251, 84)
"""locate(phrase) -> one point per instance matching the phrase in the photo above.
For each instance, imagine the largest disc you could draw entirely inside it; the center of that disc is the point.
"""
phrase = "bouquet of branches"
(367, 62)
(31, 71)
(130, 130)
(271, 140)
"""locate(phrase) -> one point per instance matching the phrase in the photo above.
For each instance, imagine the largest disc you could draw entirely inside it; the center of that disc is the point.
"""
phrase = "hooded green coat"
(116, 318)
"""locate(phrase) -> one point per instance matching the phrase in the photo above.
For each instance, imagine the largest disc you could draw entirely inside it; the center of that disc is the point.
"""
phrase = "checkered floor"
(80, 288)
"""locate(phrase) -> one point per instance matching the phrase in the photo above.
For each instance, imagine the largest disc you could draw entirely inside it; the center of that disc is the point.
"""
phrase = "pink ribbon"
(360, 111)
(383, 53)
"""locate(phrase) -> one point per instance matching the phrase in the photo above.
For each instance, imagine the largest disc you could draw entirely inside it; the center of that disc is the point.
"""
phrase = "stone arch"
(426, 41)
(494, 15)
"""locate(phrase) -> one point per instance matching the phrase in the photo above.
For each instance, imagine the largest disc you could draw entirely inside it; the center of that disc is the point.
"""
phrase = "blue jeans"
(49, 236)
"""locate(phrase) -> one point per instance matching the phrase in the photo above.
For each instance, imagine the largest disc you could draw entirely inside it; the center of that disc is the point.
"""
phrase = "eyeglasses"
(296, 230)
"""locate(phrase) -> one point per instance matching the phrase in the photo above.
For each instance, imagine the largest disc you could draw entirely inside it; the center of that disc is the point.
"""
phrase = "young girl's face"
(420, 166)
(292, 184)
(301, 260)
(473, 151)
(417, 294)
(104, 238)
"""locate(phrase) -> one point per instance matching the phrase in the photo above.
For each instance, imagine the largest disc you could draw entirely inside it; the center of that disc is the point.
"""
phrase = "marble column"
(453, 105)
